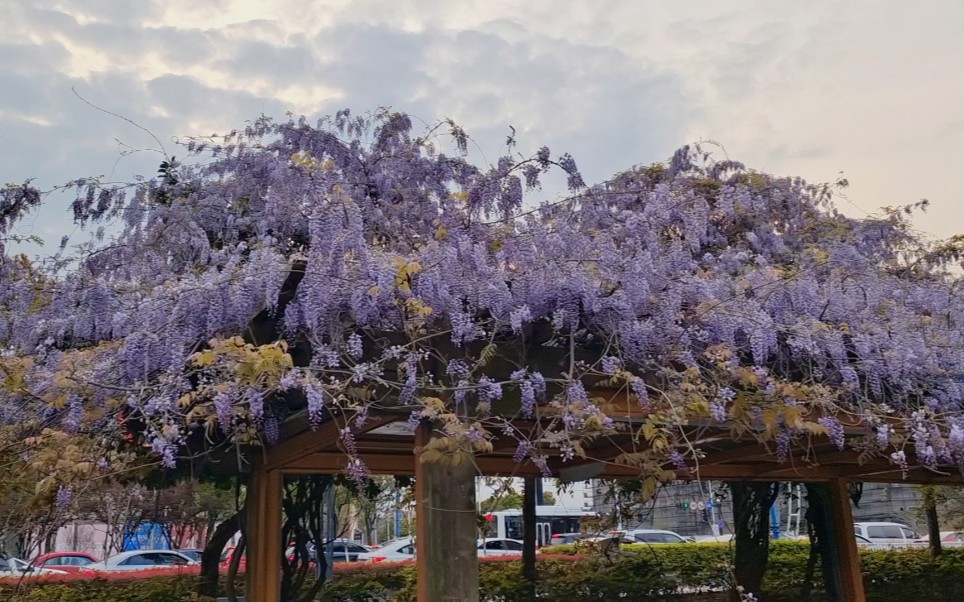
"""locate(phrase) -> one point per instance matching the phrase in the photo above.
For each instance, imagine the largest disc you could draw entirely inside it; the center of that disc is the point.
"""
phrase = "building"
(704, 508)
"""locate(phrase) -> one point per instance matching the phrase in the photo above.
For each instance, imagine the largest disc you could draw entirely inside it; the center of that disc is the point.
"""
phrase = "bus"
(549, 521)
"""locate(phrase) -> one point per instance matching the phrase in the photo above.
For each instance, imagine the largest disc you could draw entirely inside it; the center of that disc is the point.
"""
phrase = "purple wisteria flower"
(835, 430)
(65, 495)
(610, 364)
(488, 389)
(355, 348)
(315, 396)
(380, 266)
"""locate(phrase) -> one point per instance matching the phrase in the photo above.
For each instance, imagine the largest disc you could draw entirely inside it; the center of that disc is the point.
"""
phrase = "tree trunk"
(751, 517)
(211, 556)
(303, 525)
(933, 525)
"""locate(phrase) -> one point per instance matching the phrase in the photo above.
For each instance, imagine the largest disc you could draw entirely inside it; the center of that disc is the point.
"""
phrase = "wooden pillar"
(851, 579)
(529, 518)
(446, 558)
(263, 535)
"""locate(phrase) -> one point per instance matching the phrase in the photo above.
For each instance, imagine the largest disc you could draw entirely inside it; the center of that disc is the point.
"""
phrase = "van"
(892, 534)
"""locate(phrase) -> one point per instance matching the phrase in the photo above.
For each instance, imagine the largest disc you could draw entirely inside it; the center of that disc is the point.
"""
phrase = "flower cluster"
(332, 267)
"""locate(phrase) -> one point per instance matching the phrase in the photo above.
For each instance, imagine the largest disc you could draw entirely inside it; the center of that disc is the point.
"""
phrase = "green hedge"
(636, 572)
(150, 589)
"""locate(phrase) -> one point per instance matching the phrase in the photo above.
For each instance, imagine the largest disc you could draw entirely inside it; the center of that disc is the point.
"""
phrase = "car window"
(884, 532)
(909, 534)
(354, 548)
(61, 561)
(137, 560)
(170, 559)
(513, 545)
(409, 549)
(494, 545)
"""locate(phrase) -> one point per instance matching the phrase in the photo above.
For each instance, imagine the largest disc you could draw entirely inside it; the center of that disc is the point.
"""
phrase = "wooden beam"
(843, 525)
(735, 454)
(324, 437)
(263, 535)
(385, 455)
(329, 462)
(404, 464)
(618, 404)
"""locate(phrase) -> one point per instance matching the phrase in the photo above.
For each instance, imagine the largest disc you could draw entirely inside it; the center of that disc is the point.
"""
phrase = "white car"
(891, 534)
(722, 538)
(500, 547)
(139, 560)
(14, 567)
(655, 536)
(392, 551)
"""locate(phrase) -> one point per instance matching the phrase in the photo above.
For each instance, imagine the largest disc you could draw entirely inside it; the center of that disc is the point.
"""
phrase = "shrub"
(635, 572)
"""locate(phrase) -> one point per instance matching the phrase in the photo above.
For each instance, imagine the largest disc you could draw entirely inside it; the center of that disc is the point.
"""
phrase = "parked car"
(14, 567)
(606, 543)
(68, 562)
(722, 538)
(392, 551)
(342, 550)
(893, 534)
(951, 539)
(500, 547)
(192, 553)
(345, 550)
(559, 539)
(655, 536)
(228, 555)
(139, 560)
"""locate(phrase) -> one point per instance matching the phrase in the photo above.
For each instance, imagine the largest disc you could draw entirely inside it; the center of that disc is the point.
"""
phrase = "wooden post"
(529, 518)
(446, 559)
(852, 581)
(263, 535)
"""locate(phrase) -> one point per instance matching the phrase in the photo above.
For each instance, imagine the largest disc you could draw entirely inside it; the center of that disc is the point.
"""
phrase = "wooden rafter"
(324, 437)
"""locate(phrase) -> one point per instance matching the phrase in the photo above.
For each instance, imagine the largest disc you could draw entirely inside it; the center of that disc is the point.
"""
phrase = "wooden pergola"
(445, 498)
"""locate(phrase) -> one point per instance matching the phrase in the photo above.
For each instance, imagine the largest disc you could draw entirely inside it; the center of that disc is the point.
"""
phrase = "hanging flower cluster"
(351, 264)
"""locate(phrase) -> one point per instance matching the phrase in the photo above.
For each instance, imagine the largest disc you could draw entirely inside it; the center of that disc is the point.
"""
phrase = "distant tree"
(510, 500)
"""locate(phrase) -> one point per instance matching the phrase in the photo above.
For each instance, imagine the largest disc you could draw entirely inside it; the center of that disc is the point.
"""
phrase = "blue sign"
(147, 536)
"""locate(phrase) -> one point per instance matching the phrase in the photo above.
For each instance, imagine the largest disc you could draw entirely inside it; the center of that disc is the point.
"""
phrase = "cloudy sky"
(871, 89)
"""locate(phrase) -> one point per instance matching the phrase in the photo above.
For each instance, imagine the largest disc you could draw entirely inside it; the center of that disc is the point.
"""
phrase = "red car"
(228, 555)
(70, 562)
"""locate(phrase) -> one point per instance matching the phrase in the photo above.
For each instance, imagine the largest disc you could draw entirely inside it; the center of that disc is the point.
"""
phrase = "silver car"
(14, 567)
(138, 560)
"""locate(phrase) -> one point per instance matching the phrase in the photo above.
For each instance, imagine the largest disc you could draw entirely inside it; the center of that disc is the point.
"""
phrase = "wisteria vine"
(351, 264)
